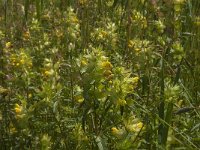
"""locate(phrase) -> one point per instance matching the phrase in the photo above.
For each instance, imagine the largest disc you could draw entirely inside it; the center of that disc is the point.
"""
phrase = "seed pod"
(183, 110)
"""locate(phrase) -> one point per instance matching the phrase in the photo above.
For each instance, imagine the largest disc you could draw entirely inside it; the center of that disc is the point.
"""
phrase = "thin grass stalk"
(162, 105)
(38, 8)
(168, 119)
(5, 15)
(26, 9)
(191, 146)
(128, 27)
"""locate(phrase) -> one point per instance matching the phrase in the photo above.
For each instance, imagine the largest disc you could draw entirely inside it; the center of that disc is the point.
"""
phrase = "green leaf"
(195, 127)
(55, 107)
(99, 141)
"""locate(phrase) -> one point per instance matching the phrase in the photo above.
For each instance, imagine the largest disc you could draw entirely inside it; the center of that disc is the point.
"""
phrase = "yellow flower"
(106, 65)
(107, 73)
(22, 61)
(137, 50)
(82, 2)
(30, 95)
(3, 90)
(114, 130)
(110, 77)
(130, 43)
(84, 62)
(135, 127)
(49, 72)
(121, 102)
(110, 82)
(119, 133)
(8, 45)
(197, 21)
(135, 79)
(26, 35)
(18, 109)
(74, 19)
(12, 128)
(104, 33)
(79, 98)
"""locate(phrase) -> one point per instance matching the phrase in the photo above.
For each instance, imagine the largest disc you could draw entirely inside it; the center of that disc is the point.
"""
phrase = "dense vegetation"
(99, 74)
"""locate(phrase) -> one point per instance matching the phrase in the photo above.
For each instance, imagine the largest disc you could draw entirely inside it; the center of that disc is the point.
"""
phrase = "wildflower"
(135, 79)
(137, 49)
(119, 133)
(74, 19)
(49, 72)
(121, 102)
(130, 43)
(179, 1)
(59, 33)
(110, 82)
(79, 98)
(107, 73)
(8, 45)
(22, 61)
(197, 21)
(84, 63)
(3, 90)
(110, 77)
(30, 95)
(104, 33)
(82, 2)
(45, 141)
(26, 35)
(12, 128)
(106, 65)
(18, 109)
(133, 82)
(160, 26)
(135, 127)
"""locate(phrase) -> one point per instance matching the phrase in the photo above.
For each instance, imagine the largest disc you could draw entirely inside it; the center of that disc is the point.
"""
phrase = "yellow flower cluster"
(134, 127)
(78, 97)
(139, 19)
(107, 67)
(134, 81)
(18, 109)
(21, 59)
(48, 68)
(83, 2)
(177, 51)
(197, 21)
(139, 45)
(100, 34)
(3, 90)
(159, 26)
(106, 34)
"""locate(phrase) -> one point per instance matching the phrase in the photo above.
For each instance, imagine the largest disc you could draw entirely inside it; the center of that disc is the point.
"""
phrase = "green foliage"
(93, 74)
